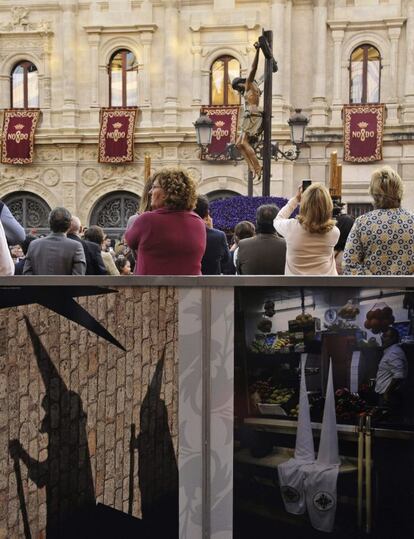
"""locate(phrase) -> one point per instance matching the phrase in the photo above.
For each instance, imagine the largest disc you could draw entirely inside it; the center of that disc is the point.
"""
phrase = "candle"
(332, 176)
(339, 180)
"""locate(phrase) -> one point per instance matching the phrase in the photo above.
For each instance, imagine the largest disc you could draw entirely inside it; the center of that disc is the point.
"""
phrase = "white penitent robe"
(292, 473)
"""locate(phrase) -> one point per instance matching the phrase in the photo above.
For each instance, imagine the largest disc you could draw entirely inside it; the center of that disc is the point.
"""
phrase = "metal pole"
(267, 115)
(250, 176)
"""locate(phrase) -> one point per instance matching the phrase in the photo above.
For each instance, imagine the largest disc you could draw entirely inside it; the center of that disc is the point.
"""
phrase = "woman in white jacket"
(312, 236)
(6, 261)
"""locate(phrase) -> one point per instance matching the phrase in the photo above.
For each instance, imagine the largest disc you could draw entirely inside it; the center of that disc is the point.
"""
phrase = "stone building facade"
(175, 42)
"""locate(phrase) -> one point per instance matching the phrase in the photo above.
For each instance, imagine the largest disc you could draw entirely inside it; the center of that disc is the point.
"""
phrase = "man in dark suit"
(265, 253)
(56, 254)
(217, 250)
(94, 262)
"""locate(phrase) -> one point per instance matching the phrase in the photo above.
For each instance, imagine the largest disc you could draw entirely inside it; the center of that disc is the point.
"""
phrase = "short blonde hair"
(386, 188)
(315, 213)
(179, 188)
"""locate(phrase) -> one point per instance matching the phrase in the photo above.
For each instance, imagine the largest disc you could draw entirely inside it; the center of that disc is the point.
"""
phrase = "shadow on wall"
(67, 476)
(66, 473)
(157, 463)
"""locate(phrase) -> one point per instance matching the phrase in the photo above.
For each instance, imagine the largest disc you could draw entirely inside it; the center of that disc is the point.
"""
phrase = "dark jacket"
(55, 255)
(216, 253)
(94, 262)
(264, 254)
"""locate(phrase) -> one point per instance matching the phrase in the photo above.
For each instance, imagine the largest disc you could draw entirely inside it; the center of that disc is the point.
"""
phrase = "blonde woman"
(381, 241)
(312, 236)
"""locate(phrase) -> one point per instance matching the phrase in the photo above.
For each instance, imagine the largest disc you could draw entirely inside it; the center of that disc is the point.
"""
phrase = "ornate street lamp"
(297, 123)
(204, 131)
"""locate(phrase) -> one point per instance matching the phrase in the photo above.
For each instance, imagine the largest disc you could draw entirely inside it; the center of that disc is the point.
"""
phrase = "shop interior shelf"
(282, 454)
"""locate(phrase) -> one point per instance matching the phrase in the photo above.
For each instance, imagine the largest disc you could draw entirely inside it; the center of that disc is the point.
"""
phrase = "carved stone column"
(171, 64)
(196, 50)
(408, 108)
(392, 104)
(94, 40)
(145, 74)
(278, 28)
(319, 109)
(338, 34)
(68, 33)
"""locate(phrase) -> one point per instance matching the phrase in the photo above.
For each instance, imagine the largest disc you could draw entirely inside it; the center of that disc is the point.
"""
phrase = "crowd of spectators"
(172, 233)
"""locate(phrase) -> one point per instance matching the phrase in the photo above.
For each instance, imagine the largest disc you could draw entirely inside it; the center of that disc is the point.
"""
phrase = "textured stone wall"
(80, 419)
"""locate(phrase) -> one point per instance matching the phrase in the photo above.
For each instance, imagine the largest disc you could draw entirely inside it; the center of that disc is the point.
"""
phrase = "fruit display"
(263, 388)
(348, 405)
(262, 344)
(280, 396)
(378, 320)
(265, 325)
(269, 308)
(282, 343)
(349, 311)
(304, 318)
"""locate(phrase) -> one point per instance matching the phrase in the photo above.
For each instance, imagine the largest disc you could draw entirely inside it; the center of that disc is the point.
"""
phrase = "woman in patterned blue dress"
(381, 241)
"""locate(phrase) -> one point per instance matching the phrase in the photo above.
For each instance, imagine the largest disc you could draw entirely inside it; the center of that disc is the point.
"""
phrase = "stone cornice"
(379, 24)
(219, 27)
(133, 28)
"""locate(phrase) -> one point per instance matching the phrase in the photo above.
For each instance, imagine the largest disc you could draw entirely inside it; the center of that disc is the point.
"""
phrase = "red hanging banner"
(116, 136)
(363, 133)
(224, 130)
(17, 144)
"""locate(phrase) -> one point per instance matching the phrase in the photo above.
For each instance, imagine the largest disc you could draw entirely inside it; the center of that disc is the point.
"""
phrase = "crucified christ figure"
(252, 121)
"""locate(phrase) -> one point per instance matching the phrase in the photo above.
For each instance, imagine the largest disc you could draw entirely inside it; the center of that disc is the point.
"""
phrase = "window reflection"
(365, 71)
(223, 71)
(123, 73)
(24, 86)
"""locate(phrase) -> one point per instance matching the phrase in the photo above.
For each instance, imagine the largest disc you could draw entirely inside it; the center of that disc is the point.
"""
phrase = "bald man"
(94, 262)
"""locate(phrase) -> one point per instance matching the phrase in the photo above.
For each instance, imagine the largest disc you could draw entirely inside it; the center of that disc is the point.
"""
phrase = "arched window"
(24, 82)
(365, 75)
(223, 71)
(123, 79)
(112, 212)
(30, 210)
(221, 194)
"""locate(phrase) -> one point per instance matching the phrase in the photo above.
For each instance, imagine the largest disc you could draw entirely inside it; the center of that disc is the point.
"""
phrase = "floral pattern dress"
(381, 242)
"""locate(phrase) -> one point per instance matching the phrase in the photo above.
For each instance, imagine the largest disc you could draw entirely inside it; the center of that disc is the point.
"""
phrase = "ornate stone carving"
(20, 22)
(20, 173)
(122, 172)
(87, 153)
(47, 154)
(50, 177)
(155, 153)
(189, 152)
(90, 177)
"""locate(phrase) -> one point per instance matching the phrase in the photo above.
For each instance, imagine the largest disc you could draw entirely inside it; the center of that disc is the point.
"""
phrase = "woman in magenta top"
(170, 239)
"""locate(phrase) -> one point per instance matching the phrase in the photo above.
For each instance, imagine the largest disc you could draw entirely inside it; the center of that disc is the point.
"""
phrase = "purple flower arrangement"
(227, 212)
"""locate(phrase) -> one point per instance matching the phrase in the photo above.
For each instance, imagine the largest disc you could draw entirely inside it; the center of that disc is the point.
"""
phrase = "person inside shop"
(392, 372)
